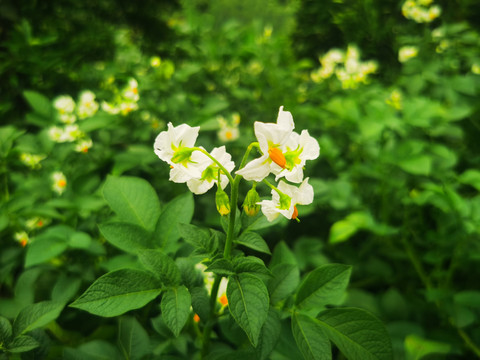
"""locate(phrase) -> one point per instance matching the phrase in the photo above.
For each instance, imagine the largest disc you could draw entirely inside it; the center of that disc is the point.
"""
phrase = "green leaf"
(417, 347)
(22, 343)
(118, 292)
(80, 240)
(310, 338)
(8, 134)
(286, 278)
(39, 103)
(175, 308)
(65, 288)
(358, 334)
(325, 285)
(93, 350)
(133, 199)
(417, 164)
(343, 229)
(269, 335)
(250, 264)
(45, 247)
(133, 339)
(178, 211)
(253, 241)
(126, 236)
(282, 255)
(200, 301)
(5, 330)
(201, 239)
(36, 315)
(161, 265)
(248, 303)
(221, 267)
(470, 177)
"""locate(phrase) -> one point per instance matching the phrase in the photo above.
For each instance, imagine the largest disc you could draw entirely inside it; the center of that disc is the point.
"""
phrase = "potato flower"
(59, 182)
(209, 175)
(286, 201)
(271, 138)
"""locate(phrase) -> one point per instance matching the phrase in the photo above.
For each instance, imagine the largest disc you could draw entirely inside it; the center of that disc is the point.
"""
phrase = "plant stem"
(208, 327)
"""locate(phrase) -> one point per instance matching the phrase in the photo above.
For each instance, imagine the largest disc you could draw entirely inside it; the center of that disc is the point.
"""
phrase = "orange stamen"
(223, 300)
(196, 318)
(62, 183)
(277, 157)
(295, 213)
(229, 135)
(23, 242)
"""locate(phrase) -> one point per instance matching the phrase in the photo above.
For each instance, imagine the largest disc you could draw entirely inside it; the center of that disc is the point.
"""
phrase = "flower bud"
(222, 201)
(250, 204)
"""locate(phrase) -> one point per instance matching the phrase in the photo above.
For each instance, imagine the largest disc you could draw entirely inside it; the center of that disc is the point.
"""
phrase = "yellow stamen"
(229, 135)
(61, 183)
(295, 213)
(277, 157)
(223, 300)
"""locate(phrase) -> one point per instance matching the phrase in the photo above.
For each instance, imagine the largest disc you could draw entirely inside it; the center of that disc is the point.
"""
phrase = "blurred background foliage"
(396, 184)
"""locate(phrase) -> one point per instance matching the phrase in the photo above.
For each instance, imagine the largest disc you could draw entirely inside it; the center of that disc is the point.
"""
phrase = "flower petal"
(256, 170)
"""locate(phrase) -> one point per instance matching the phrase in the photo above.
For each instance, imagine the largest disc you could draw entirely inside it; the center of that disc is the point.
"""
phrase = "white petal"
(295, 175)
(256, 170)
(198, 186)
(185, 134)
(311, 149)
(269, 134)
(269, 209)
(162, 147)
(304, 194)
(285, 119)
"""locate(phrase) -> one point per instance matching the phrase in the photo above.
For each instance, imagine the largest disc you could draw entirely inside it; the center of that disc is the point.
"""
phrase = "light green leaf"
(248, 303)
(93, 350)
(269, 335)
(22, 343)
(126, 236)
(118, 292)
(175, 308)
(286, 278)
(39, 103)
(65, 288)
(161, 265)
(471, 177)
(417, 164)
(253, 241)
(133, 199)
(178, 211)
(310, 338)
(358, 334)
(80, 240)
(133, 340)
(282, 255)
(5, 330)
(45, 247)
(325, 285)
(36, 315)
(343, 229)
(417, 347)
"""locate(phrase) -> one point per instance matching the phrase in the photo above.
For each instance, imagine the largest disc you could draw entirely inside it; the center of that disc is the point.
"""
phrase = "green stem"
(208, 327)
(233, 213)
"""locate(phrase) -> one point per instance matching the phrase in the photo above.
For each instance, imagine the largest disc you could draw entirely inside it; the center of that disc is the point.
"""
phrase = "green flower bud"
(250, 206)
(222, 201)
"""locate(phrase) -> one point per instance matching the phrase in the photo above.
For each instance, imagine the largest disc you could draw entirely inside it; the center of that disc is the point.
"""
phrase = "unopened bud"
(222, 201)
(250, 204)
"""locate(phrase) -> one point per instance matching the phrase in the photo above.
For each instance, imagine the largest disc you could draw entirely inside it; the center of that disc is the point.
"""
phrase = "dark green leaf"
(358, 334)
(126, 236)
(325, 285)
(133, 199)
(5, 330)
(250, 264)
(36, 315)
(178, 211)
(161, 265)
(93, 350)
(118, 292)
(285, 280)
(22, 343)
(133, 339)
(203, 242)
(269, 335)
(221, 267)
(310, 338)
(253, 241)
(39, 103)
(248, 303)
(175, 308)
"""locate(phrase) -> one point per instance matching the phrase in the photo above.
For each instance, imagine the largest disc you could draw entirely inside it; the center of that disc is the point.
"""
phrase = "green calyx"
(293, 158)
(182, 156)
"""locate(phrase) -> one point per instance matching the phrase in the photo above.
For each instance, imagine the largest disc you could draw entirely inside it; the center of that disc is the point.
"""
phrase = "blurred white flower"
(59, 182)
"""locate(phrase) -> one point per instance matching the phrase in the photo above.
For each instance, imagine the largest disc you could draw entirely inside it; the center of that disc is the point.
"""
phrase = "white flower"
(22, 237)
(55, 134)
(209, 175)
(87, 105)
(59, 182)
(175, 146)
(67, 118)
(110, 109)
(228, 133)
(128, 107)
(64, 104)
(71, 133)
(286, 203)
(131, 91)
(271, 138)
(298, 149)
(83, 145)
(32, 160)
(406, 53)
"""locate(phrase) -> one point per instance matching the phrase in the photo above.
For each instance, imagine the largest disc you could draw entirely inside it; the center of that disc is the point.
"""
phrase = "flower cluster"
(283, 153)
(32, 160)
(125, 102)
(68, 111)
(421, 11)
(346, 66)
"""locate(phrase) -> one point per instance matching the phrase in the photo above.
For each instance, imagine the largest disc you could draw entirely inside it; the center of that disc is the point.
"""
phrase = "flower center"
(223, 300)
(61, 183)
(277, 157)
